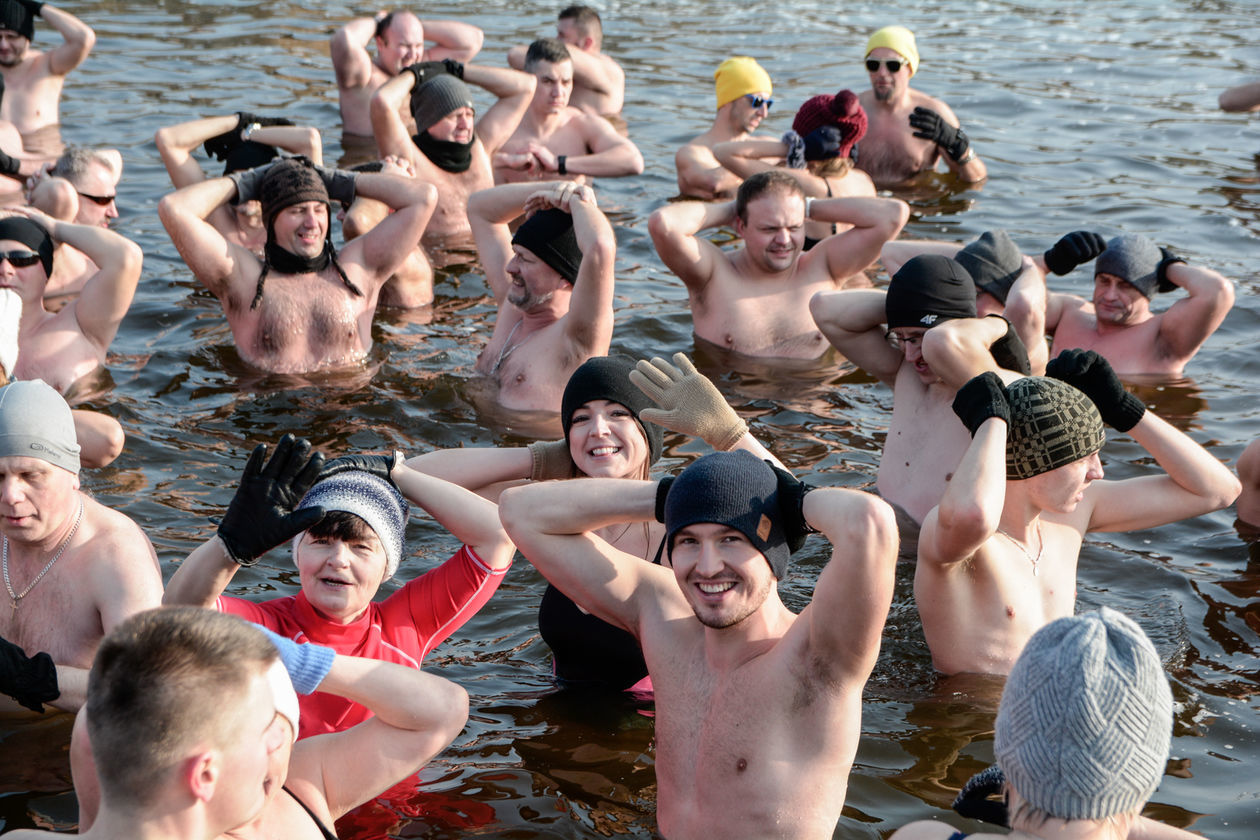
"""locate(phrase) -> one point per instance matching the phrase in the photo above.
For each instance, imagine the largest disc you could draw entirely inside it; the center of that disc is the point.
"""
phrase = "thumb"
(658, 416)
(304, 519)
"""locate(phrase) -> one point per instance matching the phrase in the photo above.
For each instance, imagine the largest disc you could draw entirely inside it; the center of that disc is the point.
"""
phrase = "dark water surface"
(1099, 115)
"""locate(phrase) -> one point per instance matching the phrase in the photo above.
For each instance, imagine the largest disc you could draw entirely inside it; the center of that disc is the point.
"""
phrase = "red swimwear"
(403, 628)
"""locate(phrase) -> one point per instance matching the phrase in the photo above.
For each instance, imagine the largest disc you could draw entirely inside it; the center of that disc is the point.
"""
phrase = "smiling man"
(758, 709)
(754, 300)
(743, 91)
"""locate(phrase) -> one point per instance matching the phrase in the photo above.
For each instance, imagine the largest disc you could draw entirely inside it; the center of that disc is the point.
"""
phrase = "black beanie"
(549, 235)
(31, 234)
(736, 489)
(994, 263)
(608, 378)
(929, 289)
(15, 17)
(249, 155)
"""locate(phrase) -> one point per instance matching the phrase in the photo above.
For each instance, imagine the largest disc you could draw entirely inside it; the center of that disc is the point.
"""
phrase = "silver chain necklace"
(17, 597)
(1040, 547)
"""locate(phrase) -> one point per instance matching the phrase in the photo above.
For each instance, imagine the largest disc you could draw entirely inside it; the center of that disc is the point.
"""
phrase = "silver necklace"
(508, 347)
(1041, 545)
(16, 597)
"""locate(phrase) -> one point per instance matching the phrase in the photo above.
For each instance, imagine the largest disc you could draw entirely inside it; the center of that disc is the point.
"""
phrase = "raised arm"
(1190, 321)
(1025, 308)
(213, 260)
(675, 232)
(351, 61)
(874, 221)
(175, 145)
(853, 322)
(479, 468)
(939, 125)
(471, 519)
(452, 39)
(78, 40)
(595, 74)
(489, 212)
(589, 322)
(387, 245)
(700, 175)
(387, 125)
(959, 349)
(896, 253)
(513, 89)
(748, 157)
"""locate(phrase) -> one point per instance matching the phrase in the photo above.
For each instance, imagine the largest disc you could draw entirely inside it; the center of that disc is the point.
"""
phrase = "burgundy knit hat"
(841, 111)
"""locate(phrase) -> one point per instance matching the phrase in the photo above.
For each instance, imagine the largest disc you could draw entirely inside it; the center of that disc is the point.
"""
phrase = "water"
(1099, 115)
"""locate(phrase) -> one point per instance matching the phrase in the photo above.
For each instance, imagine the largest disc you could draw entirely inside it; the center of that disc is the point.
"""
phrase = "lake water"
(1089, 115)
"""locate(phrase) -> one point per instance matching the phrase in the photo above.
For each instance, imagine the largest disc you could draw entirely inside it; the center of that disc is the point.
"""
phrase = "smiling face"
(1118, 302)
(401, 45)
(301, 228)
(37, 499)
(723, 576)
(774, 231)
(341, 576)
(605, 441)
(532, 283)
(13, 48)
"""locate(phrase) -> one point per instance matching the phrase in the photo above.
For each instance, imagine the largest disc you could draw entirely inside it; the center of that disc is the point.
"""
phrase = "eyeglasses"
(758, 101)
(893, 64)
(19, 259)
(899, 341)
(99, 199)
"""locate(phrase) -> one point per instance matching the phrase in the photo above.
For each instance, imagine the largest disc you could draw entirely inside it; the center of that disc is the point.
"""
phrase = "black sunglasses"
(99, 199)
(893, 64)
(19, 259)
(757, 101)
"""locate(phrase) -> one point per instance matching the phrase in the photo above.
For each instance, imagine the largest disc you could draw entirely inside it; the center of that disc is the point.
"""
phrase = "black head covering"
(15, 17)
(929, 289)
(31, 234)
(249, 155)
(549, 235)
(608, 378)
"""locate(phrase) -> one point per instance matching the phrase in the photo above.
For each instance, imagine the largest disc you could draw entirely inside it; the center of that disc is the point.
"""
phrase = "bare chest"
(450, 218)
(760, 317)
(924, 444)
(529, 368)
(890, 153)
(57, 615)
(303, 323)
(57, 352)
(1134, 349)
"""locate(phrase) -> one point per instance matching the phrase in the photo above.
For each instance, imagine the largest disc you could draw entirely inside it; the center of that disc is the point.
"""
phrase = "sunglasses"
(99, 199)
(893, 64)
(757, 101)
(19, 259)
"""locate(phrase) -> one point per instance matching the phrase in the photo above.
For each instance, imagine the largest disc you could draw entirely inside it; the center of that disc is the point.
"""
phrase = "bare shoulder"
(108, 528)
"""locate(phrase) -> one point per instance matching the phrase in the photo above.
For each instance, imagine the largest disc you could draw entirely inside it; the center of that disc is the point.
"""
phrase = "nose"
(10, 491)
(708, 563)
(111, 210)
(599, 425)
(1095, 471)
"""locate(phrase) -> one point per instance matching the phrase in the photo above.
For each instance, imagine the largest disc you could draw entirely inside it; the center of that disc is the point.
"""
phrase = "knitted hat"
(608, 378)
(435, 98)
(16, 17)
(1085, 722)
(739, 76)
(548, 234)
(842, 112)
(993, 262)
(372, 499)
(736, 489)
(35, 421)
(898, 39)
(1052, 424)
(928, 289)
(249, 155)
(288, 182)
(31, 234)
(1134, 259)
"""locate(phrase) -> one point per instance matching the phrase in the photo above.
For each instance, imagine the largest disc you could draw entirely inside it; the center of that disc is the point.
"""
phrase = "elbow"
(131, 257)
(454, 706)
(898, 217)
(823, 310)
(512, 512)
(162, 139)
(1228, 491)
(167, 210)
(313, 145)
(635, 166)
(658, 226)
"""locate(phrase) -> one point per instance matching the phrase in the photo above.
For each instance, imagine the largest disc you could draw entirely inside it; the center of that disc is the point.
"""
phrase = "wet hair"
(761, 184)
(585, 19)
(838, 166)
(162, 682)
(75, 162)
(342, 525)
(551, 50)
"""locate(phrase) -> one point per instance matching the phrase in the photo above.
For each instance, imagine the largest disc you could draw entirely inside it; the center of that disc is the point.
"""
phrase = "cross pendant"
(17, 599)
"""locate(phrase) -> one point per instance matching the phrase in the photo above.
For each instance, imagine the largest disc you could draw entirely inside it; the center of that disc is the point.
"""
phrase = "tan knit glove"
(551, 459)
(689, 403)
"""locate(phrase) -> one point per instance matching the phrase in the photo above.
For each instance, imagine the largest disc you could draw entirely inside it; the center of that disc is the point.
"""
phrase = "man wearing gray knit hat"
(451, 148)
(758, 709)
(72, 568)
(997, 557)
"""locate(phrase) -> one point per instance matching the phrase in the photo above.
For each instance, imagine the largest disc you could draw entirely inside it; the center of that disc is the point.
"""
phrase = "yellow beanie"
(900, 40)
(738, 76)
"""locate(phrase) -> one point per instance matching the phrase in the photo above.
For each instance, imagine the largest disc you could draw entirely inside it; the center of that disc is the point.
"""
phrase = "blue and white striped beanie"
(372, 499)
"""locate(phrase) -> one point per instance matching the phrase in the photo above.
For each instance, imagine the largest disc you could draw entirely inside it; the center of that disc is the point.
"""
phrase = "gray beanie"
(1134, 259)
(436, 98)
(993, 262)
(1085, 722)
(35, 421)
(372, 499)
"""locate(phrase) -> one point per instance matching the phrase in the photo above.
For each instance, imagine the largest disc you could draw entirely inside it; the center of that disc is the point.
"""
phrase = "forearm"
(392, 94)
(500, 205)
(745, 156)
(357, 33)
(858, 212)
(1189, 465)
(470, 519)
(971, 506)
(688, 218)
(202, 577)
(395, 191)
(845, 315)
(973, 171)
(73, 30)
(503, 82)
(295, 139)
(475, 468)
(198, 200)
(1202, 283)
(622, 159)
(750, 444)
(958, 349)
(72, 682)
(581, 505)
(110, 251)
(452, 39)
(186, 136)
(402, 697)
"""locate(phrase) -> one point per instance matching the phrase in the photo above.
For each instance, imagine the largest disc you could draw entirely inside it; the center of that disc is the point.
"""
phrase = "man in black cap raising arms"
(33, 79)
(757, 709)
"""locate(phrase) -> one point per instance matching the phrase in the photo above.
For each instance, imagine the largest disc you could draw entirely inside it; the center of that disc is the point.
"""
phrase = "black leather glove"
(244, 118)
(261, 514)
(9, 165)
(983, 396)
(221, 145)
(339, 183)
(1079, 246)
(791, 493)
(381, 466)
(1089, 372)
(1009, 350)
(425, 70)
(973, 800)
(930, 126)
(1163, 284)
(455, 68)
(30, 680)
(662, 490)
(247, 181)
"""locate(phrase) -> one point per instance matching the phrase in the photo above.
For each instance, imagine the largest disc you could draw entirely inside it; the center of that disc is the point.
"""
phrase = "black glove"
(1163, 284)
(33, 7)
(381, 466)
(1089, 372)
(221, 145)
(930, 126)
(425, 70)
(1079, 246)
(1009, 350)
(791, 493)
(261, 514)
(244, 118)
(247, 181)
(9, 166)
(339, 183)
(30, 680)
(973, 800)
(662, 490)
(983, 396)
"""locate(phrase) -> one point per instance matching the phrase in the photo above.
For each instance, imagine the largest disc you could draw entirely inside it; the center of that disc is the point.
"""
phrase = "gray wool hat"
(35, 421)
(1134, 259)
(437, 97)
(372, 499)
(993, 261)
(1085, 723)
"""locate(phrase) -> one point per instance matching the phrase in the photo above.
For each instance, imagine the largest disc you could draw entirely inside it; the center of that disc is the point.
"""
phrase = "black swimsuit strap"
(323, 829)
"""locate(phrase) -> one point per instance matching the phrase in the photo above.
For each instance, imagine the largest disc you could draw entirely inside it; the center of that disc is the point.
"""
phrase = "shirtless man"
(753, 300)
(743, 101)
(908, 130)
(555, 139)
(449, 150)
(65, 347)
(72, 568)
(757, 709)
(599, 83)
(188, 757)
(921, 338)
(997, 556)
(553, 281)
(80, 187)
(400, 41)
(315, 311)
(1118, 322)
(33, 79)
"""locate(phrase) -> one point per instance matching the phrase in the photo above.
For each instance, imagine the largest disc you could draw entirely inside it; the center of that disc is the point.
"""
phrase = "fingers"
(309, 473)
(643, 380)
(684, 364)
(254, 465)
(303, 520)
(660, 372)
(282, 456)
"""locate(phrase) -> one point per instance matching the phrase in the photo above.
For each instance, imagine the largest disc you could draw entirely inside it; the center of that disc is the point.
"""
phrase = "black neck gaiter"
(445, 154)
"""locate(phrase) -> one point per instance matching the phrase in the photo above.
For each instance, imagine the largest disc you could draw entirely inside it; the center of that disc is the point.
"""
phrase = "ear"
(586, 44)
(201, 774)
(739, 226)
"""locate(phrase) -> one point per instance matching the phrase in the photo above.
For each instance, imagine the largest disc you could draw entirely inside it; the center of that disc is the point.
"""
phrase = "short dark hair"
(382, 25)
(342, 525)
(762, 183)
(585, 19)
(550, 50)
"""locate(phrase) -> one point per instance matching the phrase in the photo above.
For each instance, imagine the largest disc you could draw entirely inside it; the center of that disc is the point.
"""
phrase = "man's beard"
(526, 300)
